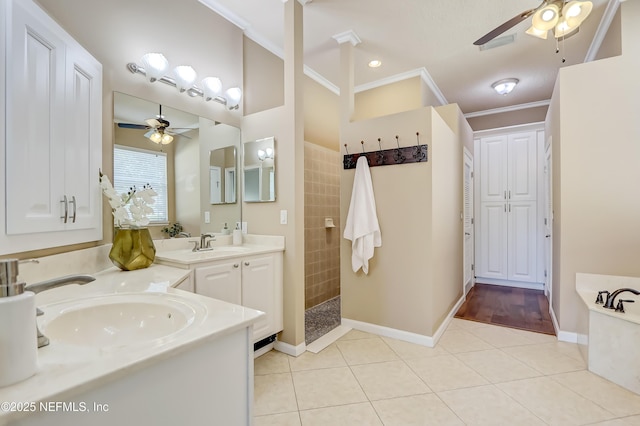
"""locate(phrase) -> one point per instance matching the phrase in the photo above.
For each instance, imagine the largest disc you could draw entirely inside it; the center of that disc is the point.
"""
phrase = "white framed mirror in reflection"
(259, 170)
(188, 162)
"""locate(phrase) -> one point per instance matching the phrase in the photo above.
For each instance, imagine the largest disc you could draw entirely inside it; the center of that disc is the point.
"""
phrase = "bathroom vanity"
(129, 348)
(249, 275)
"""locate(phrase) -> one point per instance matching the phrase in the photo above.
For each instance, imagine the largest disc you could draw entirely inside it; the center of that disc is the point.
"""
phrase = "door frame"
(548, 226)
(467, 159)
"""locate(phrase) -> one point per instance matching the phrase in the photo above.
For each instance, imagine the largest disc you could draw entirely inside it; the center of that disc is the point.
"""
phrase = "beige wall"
(321, 245)
(593, 124)
(401, 287)
(403, 95)
(321, 115)
(452, 115)
(263, 78)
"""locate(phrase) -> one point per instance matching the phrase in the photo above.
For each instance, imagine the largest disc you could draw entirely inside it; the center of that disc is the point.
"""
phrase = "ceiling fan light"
(546, 18)
(537, 33)
(211, 86)
(505, 86)
(156, 137)
(564, 28)
(233, 96)
(575, 12)
(166, 139)
(155, 65)
(184, 76)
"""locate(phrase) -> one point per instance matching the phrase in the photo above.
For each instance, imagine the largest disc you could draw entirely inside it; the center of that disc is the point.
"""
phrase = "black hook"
(362, 142)
(345, 148)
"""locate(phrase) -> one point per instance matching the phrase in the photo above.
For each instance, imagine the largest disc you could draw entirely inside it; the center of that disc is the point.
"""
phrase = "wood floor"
(513, 307)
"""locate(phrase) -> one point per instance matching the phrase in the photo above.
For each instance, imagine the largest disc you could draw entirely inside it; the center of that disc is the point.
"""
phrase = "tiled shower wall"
(322, 245)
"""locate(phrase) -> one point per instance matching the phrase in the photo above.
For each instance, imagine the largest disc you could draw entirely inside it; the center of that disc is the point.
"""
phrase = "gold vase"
(132, 249)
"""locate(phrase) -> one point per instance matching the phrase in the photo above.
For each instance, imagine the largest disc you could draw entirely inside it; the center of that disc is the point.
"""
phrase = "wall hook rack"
(387, 157)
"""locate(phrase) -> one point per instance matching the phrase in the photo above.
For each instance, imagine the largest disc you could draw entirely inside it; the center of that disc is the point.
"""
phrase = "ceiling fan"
(562, 16)
(158, 129)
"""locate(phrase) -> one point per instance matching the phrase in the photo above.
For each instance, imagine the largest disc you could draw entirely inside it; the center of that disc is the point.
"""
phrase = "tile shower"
(322, 244)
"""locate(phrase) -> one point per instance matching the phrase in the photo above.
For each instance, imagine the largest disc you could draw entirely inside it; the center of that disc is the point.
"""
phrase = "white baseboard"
(563, 336)
(290, 349)
(406, 336)
(324, 341)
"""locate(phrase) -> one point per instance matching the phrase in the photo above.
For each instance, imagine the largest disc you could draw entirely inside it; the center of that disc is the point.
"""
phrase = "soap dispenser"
(18, 344)
(225, 229)
(237, 235)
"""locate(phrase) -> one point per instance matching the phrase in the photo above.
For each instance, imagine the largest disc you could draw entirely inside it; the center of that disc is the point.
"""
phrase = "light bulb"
(261, 155)
(156, 137)
(211, 86)
(233, 96)
(155, 65)
(166, 139)
(184, 76)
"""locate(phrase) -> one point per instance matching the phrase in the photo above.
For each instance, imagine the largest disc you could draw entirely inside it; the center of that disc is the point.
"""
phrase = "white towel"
(362, 226)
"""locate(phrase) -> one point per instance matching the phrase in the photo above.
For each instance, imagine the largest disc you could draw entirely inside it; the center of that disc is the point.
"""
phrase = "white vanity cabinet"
(52, 147)
(251, 281)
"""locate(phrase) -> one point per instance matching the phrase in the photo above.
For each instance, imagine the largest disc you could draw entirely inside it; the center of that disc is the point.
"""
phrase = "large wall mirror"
(198, 200)
(259, 171)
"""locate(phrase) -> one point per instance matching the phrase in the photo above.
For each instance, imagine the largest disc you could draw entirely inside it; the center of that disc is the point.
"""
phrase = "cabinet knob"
(246, 263)
(235, 265)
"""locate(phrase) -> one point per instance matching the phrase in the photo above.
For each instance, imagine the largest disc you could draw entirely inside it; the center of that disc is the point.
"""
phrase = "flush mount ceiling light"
(375, 63)
(155, 65)
(505, 86)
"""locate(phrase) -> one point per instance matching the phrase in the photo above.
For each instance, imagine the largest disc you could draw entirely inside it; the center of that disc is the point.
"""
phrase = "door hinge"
(545, 273)
(545, 220)
(472, 221)
(473, 267)
(471, 175)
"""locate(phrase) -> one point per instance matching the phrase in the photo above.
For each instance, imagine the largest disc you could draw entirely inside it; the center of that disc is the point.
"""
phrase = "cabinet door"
(35, 125)
(83, 148)
(522, 167)
(258, 292)
(492, 255)
(522, 241)
(220, 281)
(493, 169)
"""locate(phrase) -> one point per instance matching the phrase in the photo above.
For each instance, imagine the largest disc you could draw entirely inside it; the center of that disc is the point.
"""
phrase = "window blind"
(133, 166)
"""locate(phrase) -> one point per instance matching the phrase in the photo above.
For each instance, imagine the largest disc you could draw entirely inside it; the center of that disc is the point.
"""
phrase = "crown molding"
(508, 109)
(321, 80)
(420, 72)
(226, 13)
(603, 29)
(347, 36)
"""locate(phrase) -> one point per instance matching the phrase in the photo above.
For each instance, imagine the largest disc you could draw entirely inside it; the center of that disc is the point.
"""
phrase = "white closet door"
(522, 167)
(492, 258)
(493, 169)
(522, 240)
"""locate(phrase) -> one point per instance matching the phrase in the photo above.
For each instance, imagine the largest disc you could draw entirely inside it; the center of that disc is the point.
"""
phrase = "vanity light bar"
(193, 91)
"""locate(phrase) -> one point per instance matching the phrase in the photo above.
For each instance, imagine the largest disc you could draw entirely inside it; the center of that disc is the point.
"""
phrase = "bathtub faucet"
(611, 297)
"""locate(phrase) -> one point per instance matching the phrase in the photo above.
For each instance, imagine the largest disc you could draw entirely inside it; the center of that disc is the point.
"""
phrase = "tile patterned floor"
(478, 374)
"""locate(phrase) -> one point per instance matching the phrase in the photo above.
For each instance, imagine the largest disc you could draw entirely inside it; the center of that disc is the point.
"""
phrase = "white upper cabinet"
(53, 141)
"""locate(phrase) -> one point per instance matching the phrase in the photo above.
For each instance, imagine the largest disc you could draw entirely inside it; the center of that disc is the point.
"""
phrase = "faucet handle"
(599, 298)
(620, 307)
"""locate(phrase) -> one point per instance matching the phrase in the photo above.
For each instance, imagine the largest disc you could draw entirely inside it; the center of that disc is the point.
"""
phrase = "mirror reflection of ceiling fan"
(561, 16)
(158, 129)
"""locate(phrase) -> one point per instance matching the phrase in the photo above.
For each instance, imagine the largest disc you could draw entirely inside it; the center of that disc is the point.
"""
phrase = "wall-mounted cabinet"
(52, 146)
(507, 236)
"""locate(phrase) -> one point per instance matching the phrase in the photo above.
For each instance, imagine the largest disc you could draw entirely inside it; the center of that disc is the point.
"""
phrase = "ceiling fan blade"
(504, 27)
(132, 126)
(153, 122)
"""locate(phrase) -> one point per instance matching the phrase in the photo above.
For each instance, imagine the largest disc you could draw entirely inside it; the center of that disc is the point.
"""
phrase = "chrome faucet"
(48, 285)
(611, 297)
(205, 242)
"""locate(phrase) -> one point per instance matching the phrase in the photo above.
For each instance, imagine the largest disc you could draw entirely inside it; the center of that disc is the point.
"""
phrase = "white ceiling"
(436, 35)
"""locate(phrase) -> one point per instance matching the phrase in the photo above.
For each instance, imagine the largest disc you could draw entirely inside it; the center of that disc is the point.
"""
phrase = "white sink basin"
(117, 320)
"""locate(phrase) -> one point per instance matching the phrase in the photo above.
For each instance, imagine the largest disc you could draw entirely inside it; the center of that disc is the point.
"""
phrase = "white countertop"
(183, 258)
(65, 369)
(588, 286)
